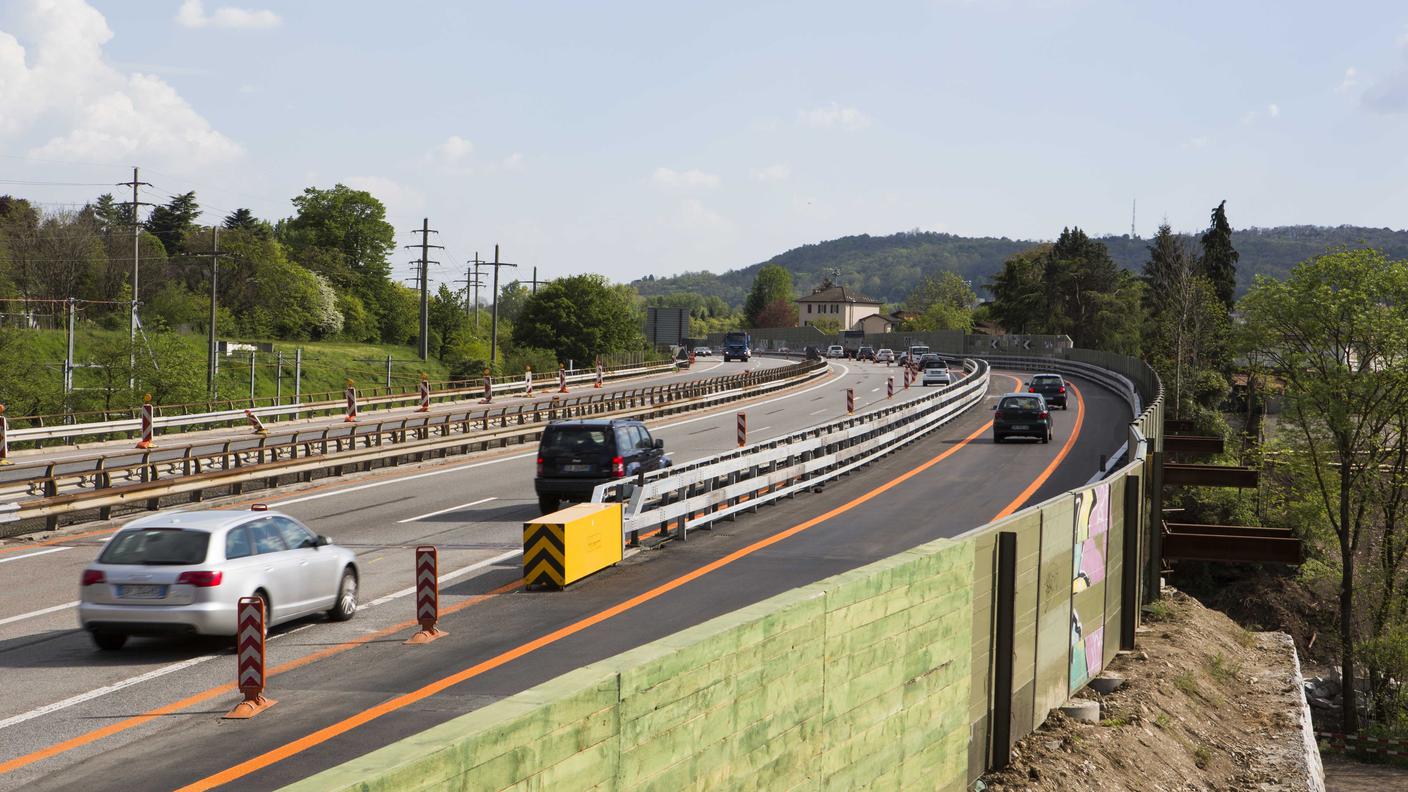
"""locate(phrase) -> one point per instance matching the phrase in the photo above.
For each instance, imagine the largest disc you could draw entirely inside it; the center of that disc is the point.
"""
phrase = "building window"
(809, 307)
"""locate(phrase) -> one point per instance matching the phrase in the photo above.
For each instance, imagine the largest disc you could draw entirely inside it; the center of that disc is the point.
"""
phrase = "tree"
(110, 215)
(827, 326)
(511, 300)
(1219, 261)
(778, 313)
(342, 234)
(1019, 296)
(1169, 262)
(244, 220)
(772, 283)
(172, 220)
(948, 288)
(1188, 331)
(580, 317)
(1336, 332)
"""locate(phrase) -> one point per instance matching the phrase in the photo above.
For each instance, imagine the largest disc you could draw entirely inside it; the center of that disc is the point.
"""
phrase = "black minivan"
(575, 456)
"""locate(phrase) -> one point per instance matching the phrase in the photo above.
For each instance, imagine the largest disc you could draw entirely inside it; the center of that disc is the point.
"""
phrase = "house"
(844, 306)
(875, 324)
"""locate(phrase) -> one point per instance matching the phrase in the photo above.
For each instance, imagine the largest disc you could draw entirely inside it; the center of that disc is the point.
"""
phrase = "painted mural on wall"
(1092, 529)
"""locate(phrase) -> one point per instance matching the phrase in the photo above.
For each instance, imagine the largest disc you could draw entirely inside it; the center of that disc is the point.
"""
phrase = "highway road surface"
(148, 717)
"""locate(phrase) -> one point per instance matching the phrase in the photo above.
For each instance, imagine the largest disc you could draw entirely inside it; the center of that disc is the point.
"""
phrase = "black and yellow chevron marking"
(544, 555)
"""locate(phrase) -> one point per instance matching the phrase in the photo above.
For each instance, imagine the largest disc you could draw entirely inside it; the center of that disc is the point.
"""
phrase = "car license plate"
(1020, 426)
(576, 468)
(141, 592)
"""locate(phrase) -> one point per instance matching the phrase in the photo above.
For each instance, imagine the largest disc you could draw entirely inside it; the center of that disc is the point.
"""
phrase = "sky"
(629, 138)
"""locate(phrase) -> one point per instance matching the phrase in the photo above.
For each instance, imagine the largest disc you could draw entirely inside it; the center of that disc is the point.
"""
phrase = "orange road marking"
(206, 695)
(406, 699)
(1055, 463)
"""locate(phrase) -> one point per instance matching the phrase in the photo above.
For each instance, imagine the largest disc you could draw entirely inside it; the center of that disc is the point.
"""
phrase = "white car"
(885, 355)
(936, 374)
(183, 573)
(703, 351)
(835, 351)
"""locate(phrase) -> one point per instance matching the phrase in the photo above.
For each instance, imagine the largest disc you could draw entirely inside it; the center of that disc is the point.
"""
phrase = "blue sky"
(640, 137)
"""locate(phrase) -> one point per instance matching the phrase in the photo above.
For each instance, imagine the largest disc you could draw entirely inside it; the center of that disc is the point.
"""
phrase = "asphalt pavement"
(147, 717)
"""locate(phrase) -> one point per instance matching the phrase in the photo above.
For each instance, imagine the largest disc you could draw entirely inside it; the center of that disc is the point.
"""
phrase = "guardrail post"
(1003, 649)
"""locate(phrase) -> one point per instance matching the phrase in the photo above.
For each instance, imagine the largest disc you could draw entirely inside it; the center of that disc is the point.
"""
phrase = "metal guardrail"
(716, 487)
(144, 484)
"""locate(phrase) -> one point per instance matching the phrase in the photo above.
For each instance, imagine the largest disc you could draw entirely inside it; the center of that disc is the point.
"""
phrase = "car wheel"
(547, 504)
(346, 605)
(1046, 438)
(109, 641)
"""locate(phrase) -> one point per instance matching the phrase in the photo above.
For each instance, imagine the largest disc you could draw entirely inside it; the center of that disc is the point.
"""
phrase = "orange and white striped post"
(4, 441)
(249, 658)
(351, 394)
(691, 358)
(254, 423)
(600, 374)
(889, 387)
(528, 380)
(907, 377)
(424, 393)
(742, 429)
(850, 401)
(427, 596)
(561, 378)
(488, 388)
(148, 428)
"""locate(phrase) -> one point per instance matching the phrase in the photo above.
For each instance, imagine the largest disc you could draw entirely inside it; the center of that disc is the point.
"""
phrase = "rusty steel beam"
(1229, 530)
(1231, 549)
(1192, 444)
(1176, 474)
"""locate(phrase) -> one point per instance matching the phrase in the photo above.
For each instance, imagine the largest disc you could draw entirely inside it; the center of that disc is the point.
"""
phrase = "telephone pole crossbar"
(425, 231)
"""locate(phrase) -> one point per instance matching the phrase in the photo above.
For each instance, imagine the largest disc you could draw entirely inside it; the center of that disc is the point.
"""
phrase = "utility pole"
(535, 280)
(425, 262)
(1133, 212)
(471, 281)
(69, 364)
(213, 349)
(136, 275)
(494, 331)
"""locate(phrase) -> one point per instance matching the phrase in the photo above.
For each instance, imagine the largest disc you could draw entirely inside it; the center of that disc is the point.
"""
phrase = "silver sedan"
(182, 573)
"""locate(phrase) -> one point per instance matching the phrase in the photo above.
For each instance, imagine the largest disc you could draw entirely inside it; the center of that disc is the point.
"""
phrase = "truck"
(738, 345)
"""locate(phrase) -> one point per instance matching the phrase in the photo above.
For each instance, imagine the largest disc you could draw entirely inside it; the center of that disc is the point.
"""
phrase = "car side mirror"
(993, 408)
(659, 443)
(322, 541)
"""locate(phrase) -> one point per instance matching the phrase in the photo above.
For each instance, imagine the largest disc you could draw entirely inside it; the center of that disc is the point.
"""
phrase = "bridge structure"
(913, 600)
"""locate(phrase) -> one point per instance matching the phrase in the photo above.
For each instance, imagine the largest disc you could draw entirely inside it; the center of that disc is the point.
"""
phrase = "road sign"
(427, 596)
(250, 634)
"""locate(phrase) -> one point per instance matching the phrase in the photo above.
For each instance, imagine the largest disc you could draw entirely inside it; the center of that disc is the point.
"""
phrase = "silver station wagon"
(183, 573)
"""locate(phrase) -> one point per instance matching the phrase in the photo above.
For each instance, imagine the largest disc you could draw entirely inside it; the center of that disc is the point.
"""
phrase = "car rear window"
(1049, 379)
(576, 440)
(1021, 403)
(156, 546)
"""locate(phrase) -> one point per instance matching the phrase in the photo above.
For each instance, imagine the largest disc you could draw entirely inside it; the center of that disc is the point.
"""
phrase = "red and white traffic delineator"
(691, 358)
(528, 381)
(351, 395)
(600, 374)
(889, 387)
(427, 596)
(907, 377)
(850, 400)
(254, 423)
(4, 441)
(561, 378)
(148, 430)
(249, 658)
(488, 388)
(742, 429)
(424, 394)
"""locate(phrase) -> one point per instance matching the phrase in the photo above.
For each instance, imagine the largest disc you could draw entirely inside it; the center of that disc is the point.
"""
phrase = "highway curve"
(163, 731)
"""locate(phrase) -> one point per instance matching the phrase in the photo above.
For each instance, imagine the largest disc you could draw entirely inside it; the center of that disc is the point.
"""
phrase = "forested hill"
(889, 267)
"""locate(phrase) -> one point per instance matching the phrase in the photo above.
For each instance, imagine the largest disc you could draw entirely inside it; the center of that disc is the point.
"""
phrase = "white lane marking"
(874, 389)
(816, 412)
(444, 511)
(40, 612)
(762, 428)
(36, 553)
(448, 576)
(184, 664)
(441, 471)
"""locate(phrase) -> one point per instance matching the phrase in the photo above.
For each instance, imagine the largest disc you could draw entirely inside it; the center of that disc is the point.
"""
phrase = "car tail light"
(540, 466)
(92, 577)
(1044, 415)
(1062, 390)
(618, 467)
(1031, 389)
(201, 578)
(997, 416)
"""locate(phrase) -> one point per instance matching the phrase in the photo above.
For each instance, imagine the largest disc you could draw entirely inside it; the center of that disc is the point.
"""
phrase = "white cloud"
(1351, 79)
(834, 115)
(1199, 142)
(772, 173)
(688, 179)
(399, 199)
(1273, 110)
(192, 15)
(64, 99)
(694, 217)
(454, 150)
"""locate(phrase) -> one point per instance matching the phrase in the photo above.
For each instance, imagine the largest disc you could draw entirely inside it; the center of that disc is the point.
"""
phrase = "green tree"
(772, 283)
(580, 317)
(1219, 261)
(778, 313)
(828, 326)
(342, 234)
(171, 221)
(1169, 262)
(948, 288)
(244, 220)
(1019, 295)
(1336, 332)
(512, 298)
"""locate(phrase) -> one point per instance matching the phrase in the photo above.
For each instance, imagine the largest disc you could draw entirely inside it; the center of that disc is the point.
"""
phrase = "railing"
(202, 473)
(716, 487)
